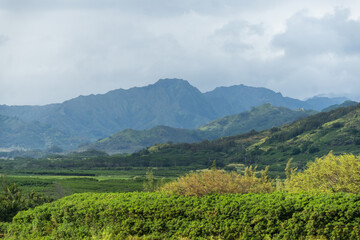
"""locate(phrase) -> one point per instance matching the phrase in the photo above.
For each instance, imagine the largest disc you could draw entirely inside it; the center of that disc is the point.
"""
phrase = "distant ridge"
(336, 106)
(168, 102)
(258, 118)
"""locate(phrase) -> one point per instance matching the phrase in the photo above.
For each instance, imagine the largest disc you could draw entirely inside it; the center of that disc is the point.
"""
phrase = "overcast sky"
(51, 51)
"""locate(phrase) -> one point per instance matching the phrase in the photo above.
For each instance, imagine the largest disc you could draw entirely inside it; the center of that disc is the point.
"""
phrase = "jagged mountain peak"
(171, 101)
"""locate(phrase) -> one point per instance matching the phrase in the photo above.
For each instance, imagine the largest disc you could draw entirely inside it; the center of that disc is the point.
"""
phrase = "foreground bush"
(159, 216)
(218, 181)
(13, 200)
(327, 174)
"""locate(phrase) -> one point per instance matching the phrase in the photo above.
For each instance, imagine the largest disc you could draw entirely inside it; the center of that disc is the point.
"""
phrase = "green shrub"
(159, 216)
(218, 181)
(328, 174)
(12, 200)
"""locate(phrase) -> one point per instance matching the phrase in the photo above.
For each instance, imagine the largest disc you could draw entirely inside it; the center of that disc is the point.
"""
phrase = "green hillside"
(258, 118)
(130, 140)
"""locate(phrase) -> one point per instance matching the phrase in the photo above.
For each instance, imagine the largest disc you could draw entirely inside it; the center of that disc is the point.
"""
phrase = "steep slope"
(258, 118)
(239, 98)
(15, 133)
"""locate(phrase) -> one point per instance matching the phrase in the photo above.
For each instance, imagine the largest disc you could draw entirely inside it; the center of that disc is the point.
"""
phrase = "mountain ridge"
(171, 102)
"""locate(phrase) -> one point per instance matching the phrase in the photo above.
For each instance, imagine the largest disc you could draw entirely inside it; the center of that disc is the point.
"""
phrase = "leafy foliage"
(218, 181)
(12, 200)
(158, 216)
(328, 174)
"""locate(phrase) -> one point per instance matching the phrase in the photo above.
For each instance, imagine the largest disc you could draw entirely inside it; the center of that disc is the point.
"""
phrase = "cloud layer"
(51, 51)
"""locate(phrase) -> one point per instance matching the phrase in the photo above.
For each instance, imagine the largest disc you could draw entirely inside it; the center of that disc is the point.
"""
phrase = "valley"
(265, 148)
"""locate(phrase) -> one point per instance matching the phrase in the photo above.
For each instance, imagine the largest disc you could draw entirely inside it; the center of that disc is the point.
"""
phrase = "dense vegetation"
(158, 216)
(13, 200)
(217, 181)
(199, 205)
(327, 174)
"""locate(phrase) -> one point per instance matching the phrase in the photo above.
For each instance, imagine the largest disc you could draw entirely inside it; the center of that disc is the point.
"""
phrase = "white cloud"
(320, 55)
(51, 51)
(331, 34)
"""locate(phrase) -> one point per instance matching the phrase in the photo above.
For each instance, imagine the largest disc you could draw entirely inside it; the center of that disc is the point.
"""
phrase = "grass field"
(57, 184)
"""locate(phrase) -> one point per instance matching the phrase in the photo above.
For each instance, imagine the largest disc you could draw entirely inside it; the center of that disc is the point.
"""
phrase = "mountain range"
(168, 102)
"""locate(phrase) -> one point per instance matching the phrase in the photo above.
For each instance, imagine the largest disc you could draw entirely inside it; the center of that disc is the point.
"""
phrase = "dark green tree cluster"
(13, 200)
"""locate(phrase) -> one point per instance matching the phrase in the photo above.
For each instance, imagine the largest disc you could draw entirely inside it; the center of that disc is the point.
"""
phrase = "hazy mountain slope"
(239, 98)
(258, 118)
(170, 102)
(235, 99)
(29, 113)
(319, 103)
(336, 106)
(15, 133)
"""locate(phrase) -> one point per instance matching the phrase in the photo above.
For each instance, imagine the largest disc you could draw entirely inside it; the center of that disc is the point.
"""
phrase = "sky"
(52, 51)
